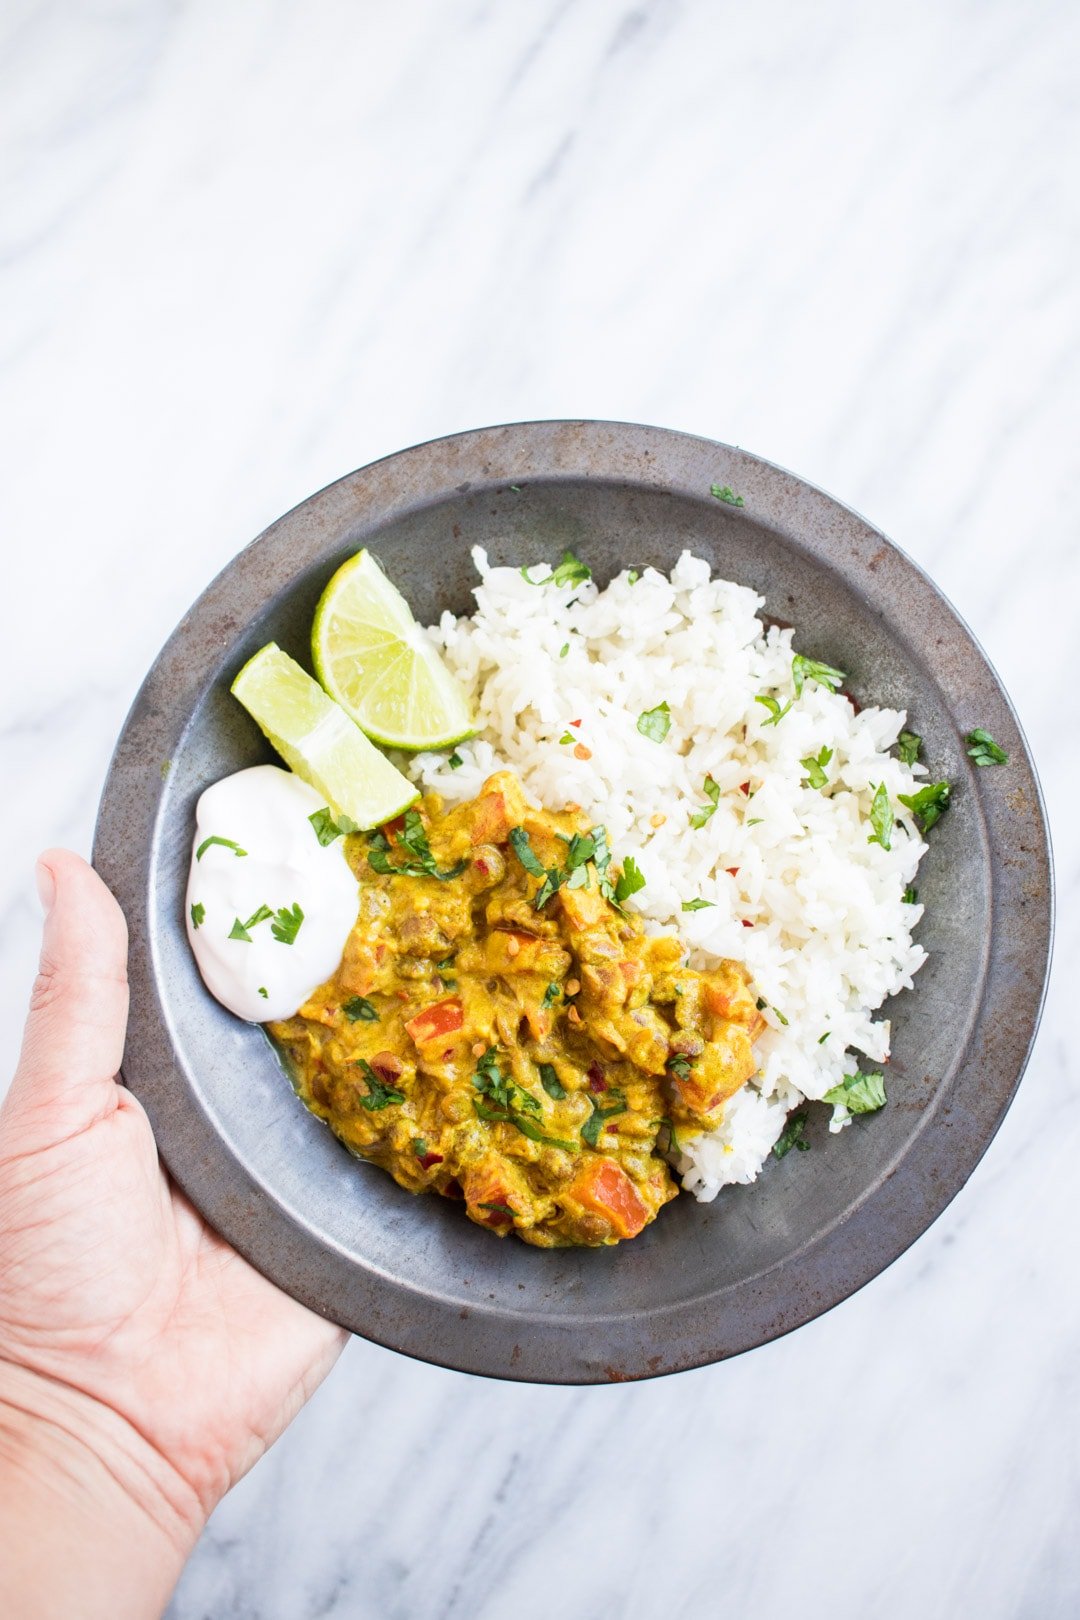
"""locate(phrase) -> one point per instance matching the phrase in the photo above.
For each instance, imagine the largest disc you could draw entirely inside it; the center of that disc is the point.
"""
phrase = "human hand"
(129, 1331)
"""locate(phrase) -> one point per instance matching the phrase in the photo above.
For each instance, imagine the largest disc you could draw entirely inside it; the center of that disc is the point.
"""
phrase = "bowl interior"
(696, 1254)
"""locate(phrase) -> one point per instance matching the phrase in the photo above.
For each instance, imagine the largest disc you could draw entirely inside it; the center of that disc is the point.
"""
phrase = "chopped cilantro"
(551, 996)
(814, 766)
(360, 1008)
(929, 804)
(419, 1147)
(881, 819)
(697, 905)
(858, 1093)
(226, 843)
(564, 649)
(680, 1065)
(455, 761)
(551, 1082)
(725, 493)
(907, 747)
(241, 930)
(567, 737)
(630, 880)
(984, 750)
(198, 913)
(571, 571)
(501, 1209)
(632, 576)
(711, 790)
(808, 669)
(776, 713)
(412, 838)
(910, 896)
(519, 839)
(793, 1135)
(286, 924)
(379, 1095)
(590, 1131)
(264, 992)
(655, 723)
(327, 829)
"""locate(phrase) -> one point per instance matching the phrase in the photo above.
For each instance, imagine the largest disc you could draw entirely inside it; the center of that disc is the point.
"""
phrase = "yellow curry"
(502, 1031)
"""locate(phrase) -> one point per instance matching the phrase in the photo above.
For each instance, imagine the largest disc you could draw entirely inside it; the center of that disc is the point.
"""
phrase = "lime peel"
(319, 741)
(381, 666)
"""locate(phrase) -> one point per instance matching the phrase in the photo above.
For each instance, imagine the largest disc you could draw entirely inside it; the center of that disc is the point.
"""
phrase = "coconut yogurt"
(269, 906)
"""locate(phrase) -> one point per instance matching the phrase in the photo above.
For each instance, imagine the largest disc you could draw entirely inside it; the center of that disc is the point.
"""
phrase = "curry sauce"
(501, 1031)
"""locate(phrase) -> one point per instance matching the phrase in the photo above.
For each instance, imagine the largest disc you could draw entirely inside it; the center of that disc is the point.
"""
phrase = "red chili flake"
(575, 722)
(747, 923)
(744, 787)
(429, 1159)
(482, 867)
(855, 704)
(595, 1075)
(392, 828)
(453, 1189)
(732, 871)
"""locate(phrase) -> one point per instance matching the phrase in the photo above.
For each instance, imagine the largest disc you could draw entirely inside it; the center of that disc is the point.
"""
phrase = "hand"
(127, 1326)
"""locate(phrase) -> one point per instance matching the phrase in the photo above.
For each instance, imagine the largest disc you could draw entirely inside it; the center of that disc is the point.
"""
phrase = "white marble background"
(249, 245)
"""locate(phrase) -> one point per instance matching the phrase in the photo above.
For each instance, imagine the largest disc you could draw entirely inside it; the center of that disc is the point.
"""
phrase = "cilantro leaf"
(929, 804)
(551, 1082)
(379, 1094)
(881, 819)
(655, 723)
(907, 747)
(712, 793)
(551, 996)
(814, 766)
(984, 750)
(455, 761)
(564, 649)
(910, 896)
(241, 930)
(858, 1093)
(776, 713)
(725, 493)
(808, 669)
(286, 924)
(412, 838)
(226, 843)
(327, 829)
(630, 880)
(198, 914)
(793, 1135)
(697, 905)
(264, 992)
(419, 1147)
(680, 1065)
(522, 848)
(590, 1131)
(632, 576)
(501, 1209)
(359, 1007)
(571, 571)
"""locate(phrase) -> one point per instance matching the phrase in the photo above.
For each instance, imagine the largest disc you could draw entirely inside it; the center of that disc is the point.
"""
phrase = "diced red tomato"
(490, 821)
(433, 1023)
(605, 1188)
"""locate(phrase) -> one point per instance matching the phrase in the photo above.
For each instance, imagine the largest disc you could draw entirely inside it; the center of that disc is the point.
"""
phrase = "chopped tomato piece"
(490, 821)
(605, 1188)
(441, 1019)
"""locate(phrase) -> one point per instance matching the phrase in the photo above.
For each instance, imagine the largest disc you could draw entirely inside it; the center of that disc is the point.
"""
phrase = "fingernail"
(46, 886)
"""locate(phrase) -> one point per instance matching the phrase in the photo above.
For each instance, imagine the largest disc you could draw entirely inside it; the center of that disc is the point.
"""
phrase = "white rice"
(831, 937)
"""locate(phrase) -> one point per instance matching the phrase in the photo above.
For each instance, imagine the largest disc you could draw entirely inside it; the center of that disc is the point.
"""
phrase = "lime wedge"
(376, 661)
(319, 741)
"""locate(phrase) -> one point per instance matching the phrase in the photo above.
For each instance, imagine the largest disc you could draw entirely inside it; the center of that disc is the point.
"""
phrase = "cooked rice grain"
(797, 891)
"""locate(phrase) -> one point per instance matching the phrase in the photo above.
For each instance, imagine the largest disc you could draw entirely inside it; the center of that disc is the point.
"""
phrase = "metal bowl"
(707, 1280)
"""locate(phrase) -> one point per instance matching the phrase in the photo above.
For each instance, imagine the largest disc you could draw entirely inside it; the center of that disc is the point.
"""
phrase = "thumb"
(74, 1037)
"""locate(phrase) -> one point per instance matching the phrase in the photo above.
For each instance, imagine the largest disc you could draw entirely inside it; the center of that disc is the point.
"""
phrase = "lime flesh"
(381, 666)
(319, 741)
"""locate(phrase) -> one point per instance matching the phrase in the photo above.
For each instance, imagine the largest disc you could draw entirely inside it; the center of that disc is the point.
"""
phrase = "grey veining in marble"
(248, 247)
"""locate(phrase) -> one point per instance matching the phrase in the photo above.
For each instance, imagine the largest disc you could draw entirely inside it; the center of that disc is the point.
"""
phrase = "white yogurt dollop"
(265, 812)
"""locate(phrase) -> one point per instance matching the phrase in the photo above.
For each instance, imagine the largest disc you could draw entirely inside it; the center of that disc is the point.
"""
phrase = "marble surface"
(247, 247)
